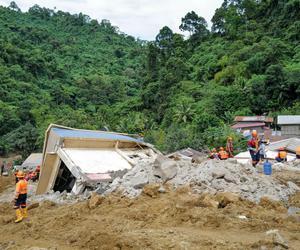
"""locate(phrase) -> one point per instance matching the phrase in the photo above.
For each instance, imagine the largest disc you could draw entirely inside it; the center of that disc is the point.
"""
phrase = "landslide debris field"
(156, 219)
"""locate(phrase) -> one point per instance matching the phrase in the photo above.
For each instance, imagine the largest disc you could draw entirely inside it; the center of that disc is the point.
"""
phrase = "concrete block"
(219, 173)
(164, 168)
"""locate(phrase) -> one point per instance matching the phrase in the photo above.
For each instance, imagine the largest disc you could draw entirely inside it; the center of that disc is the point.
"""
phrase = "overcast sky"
(139, 18)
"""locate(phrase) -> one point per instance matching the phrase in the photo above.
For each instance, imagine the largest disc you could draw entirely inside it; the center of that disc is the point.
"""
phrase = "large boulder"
(164, 168)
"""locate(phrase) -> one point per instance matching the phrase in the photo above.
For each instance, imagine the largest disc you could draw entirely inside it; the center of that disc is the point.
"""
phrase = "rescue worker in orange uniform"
(223, 155)
(229, 147)
(38, 170)
(20, 197)
(253, 148)
(282, 155)
(298, 152)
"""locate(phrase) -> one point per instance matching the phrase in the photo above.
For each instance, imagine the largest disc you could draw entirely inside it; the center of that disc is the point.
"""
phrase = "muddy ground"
(171, 220)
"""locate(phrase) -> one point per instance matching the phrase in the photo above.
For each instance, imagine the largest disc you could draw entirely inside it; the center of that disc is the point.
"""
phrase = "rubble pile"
(210, 176)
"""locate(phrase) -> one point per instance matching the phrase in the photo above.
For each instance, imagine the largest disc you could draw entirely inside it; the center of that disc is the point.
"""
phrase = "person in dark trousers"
(2, 168)
(253, 148)
(20, 198)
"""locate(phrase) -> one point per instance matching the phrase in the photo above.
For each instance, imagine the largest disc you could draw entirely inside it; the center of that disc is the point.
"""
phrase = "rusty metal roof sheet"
(248, 125)
(253, 119)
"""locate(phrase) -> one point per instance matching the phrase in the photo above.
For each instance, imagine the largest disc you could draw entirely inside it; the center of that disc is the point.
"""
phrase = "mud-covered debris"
(95, 200)
(164, 168)
(226, 198)
(277, 238)
(33, 206)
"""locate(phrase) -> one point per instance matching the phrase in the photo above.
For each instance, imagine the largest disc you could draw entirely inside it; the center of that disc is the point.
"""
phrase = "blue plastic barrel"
(267, 168)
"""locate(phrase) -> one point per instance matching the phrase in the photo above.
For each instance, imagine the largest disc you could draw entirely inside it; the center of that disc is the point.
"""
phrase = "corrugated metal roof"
(33, 160)
(69, 133)
(253, 119)
(288, 119)
(248, 125)
(289, 144)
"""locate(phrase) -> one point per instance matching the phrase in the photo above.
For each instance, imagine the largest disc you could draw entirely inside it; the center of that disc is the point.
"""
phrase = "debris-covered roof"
(289, 144)
(288, 119)
(33, 160)
(253, 119)
(88, 134)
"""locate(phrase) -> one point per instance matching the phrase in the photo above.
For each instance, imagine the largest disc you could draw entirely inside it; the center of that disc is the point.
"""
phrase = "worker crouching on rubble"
(253, 148)
(213, 154)
(282, 155)
(21, 197)
(223, 155)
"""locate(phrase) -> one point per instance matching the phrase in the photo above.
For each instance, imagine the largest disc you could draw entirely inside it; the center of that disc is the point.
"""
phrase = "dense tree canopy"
(72, 70)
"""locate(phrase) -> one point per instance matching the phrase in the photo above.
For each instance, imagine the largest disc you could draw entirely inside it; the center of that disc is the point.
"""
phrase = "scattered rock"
(268, 203)
(208, 201)
(164, 168)
(209, 176)
(95, 200)
(198, 159)
(232, 160)
(242, 217)
(277, 238)
(48, 204)
(161, 189)
(293, 186)
(33, 206)
(219, 173)
(151, 190)
(226, 198)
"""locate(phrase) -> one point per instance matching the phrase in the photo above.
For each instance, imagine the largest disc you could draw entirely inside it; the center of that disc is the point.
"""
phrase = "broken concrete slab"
(164, 168)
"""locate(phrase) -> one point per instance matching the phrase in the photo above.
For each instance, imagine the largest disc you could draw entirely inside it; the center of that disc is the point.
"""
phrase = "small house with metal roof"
(258, 123)
(77, 159)
(289, 125)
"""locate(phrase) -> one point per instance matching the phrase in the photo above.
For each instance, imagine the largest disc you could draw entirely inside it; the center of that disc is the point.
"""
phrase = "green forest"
(176, 91)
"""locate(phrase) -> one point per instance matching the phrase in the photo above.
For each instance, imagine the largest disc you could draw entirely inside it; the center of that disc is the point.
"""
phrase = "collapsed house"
(76, 159)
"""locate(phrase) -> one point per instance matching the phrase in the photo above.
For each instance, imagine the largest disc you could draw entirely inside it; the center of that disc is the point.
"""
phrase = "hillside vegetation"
(68, 69)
